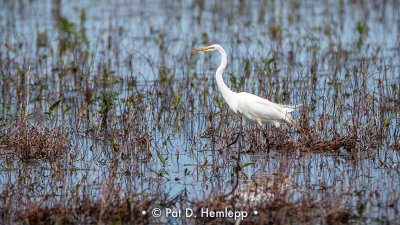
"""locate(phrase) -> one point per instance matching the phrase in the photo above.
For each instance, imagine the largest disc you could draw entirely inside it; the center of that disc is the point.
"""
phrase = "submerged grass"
(106, 114)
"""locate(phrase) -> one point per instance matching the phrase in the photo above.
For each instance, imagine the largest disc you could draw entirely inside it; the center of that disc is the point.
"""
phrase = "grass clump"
(33, 142)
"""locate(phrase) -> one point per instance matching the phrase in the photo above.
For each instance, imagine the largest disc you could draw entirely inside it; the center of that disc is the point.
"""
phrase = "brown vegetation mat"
(33, 142)
(278, 139)
(86, 212)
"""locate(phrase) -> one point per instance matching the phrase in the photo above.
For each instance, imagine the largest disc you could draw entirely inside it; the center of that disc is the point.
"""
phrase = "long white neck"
(225, 91)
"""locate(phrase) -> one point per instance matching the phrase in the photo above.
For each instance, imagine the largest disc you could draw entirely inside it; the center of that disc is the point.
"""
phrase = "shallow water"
(341, 60)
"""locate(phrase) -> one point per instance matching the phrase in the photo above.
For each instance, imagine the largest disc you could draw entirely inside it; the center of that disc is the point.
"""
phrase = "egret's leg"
(267, 141)
(237, 170)
(243, 120)
(242, 123)
(236, 138)
(259, 122)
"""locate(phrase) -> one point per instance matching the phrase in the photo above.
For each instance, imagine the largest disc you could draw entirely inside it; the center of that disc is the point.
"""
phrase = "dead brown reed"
(85, 211)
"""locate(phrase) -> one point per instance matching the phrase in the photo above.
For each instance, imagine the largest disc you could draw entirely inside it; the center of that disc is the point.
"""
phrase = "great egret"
(248, 106)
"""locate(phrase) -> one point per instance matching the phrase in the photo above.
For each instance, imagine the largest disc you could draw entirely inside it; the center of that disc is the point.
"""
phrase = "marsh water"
(135, 114)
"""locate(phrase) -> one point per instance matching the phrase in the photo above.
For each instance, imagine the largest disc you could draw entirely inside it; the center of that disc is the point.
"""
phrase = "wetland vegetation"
(105, 113)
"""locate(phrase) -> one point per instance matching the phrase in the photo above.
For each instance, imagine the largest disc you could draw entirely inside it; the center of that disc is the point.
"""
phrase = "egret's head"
(208, 48)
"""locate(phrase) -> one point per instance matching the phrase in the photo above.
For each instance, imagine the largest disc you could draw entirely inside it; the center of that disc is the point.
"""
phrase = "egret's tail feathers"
(290, 108)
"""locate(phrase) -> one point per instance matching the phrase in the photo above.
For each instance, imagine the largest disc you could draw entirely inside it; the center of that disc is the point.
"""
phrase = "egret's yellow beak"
(202, 49)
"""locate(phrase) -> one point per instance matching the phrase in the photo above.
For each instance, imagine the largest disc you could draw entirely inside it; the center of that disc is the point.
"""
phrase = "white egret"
(248, 106)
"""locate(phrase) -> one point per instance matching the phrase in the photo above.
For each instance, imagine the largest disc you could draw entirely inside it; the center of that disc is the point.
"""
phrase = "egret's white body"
(249, 106)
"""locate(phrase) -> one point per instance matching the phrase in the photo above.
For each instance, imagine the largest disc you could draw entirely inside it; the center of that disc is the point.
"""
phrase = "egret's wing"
(268, 109)
(258, 107)
(268, 103)
(282, 108)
